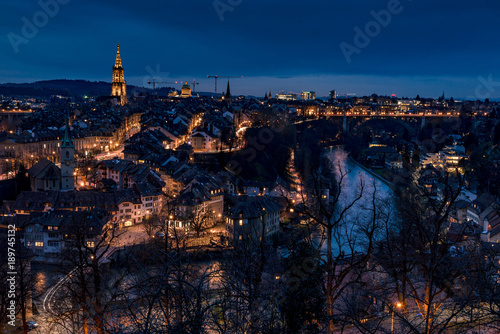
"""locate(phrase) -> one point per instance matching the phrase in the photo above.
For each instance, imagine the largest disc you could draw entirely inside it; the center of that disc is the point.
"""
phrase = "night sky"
(423, 48)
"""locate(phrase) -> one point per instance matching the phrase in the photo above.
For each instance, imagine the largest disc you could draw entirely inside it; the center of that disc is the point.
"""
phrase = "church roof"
(52, 173)
(39, 167)
(253, 209)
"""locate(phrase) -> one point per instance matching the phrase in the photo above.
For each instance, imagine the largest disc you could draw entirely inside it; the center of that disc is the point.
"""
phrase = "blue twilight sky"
(422, 47)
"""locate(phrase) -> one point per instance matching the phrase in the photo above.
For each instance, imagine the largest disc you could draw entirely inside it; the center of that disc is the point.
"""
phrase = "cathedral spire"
(228, 91)
(118, 61)
(119, 85)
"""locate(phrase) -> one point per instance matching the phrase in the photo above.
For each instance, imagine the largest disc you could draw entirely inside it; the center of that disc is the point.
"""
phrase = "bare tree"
(334, 213)
(200, 220)
(249, 284)
(167, 294)
(160, 226)
(420, 260)
(87, 291)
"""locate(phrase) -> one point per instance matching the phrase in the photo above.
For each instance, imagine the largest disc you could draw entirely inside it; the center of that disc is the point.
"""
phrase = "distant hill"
(72, 88)
(62, 87)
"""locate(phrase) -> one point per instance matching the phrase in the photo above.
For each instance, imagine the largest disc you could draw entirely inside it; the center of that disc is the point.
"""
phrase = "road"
(110, 155)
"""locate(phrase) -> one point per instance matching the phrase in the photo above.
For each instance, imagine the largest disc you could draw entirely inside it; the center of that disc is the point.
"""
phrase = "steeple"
(118, 61)
(67, 141)
(119, 85)
(270, 96)
(265, 96)
(228, 91)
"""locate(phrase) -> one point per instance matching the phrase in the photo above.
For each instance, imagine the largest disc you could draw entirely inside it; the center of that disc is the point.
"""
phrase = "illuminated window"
(90, 244)
(38, 244)
(241, 222)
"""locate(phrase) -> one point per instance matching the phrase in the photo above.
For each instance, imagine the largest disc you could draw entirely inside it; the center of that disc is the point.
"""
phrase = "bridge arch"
(357, 124)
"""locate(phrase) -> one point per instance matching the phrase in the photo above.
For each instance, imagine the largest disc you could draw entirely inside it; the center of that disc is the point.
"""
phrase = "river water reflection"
(351, 182)
(349, 239)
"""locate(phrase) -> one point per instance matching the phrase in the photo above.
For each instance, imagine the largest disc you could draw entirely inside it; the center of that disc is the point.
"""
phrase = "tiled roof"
(34, 201)
(253, 209)
(39, 167)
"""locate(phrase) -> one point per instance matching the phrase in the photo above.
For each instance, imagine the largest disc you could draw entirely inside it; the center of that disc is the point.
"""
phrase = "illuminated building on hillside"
(186, 90)
(308, 95)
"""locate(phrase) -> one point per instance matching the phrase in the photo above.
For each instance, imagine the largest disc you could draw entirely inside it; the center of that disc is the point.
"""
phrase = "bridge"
(387, 115)
(12, 116)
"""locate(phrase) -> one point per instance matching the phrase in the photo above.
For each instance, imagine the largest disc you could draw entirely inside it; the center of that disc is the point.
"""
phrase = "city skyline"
(383, 48)
(294, 167)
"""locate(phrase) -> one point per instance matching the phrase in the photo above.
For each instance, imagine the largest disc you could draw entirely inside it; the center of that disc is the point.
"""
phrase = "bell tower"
(67, 161)
(119, 85)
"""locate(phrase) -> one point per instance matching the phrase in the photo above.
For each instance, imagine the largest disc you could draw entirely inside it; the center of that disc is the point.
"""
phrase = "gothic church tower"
(119, 85)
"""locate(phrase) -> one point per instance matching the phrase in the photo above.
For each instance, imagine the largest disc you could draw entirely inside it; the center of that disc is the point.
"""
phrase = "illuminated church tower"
(119, 85)
(67, 161)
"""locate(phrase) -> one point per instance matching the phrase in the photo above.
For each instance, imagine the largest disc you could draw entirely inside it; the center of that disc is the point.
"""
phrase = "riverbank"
(371, 172)
(347, 157)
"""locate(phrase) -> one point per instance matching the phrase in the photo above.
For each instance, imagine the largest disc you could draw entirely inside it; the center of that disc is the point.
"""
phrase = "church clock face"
(68, 162)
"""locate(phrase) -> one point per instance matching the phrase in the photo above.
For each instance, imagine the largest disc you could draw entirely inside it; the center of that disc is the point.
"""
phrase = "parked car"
(160, 235)
(29, 325)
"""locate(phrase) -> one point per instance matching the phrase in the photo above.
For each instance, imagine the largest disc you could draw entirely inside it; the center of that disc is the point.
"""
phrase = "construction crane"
(154, 82)
(219, 76)
(194, 83)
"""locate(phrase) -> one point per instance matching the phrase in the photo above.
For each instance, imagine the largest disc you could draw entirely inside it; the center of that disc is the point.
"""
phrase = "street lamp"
(398, 305)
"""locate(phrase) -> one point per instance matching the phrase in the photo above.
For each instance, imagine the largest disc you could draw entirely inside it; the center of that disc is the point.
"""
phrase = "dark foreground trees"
(346, 222)
(85, 298)
(302, 297)
(364, 265)
(432, 268)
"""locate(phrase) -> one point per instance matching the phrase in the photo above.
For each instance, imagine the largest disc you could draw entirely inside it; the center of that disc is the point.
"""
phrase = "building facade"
(67, 162)
(253, 221)
(186, 90)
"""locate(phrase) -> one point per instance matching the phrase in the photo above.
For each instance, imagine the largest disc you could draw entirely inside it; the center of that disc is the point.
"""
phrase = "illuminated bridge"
(411, 117)
(10, 117)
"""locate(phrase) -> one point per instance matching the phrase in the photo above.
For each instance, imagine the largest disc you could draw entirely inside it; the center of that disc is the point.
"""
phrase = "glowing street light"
(398, 305)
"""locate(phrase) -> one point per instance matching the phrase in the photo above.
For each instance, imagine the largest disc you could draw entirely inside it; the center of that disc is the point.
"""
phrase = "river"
(348, 238)
(355, 173)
